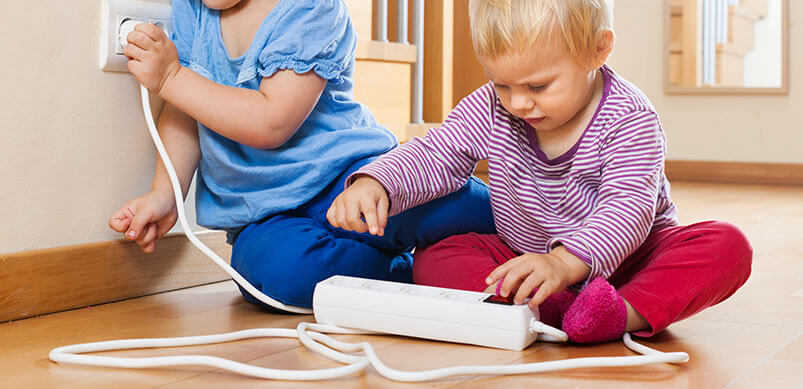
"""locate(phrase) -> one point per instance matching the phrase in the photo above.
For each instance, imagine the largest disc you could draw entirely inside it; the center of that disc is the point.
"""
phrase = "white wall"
(713, 127)
(762, 65)
(74, 143)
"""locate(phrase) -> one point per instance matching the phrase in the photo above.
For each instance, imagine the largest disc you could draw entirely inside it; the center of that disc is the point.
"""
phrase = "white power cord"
(182, 217)
(311, 335)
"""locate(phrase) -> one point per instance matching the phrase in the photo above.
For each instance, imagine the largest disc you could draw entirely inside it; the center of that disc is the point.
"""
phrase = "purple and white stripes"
(599, 200)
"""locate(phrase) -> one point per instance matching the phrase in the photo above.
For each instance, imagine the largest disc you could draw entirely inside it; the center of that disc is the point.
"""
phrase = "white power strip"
(424, 312)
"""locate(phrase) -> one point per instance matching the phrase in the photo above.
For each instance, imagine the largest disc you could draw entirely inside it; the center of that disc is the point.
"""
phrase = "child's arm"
(420, 170)
(264, 118)
(179, 133)
(150, 216)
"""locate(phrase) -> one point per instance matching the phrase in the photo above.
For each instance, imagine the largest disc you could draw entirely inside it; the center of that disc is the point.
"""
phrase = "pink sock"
(551, 311)
(598, 314)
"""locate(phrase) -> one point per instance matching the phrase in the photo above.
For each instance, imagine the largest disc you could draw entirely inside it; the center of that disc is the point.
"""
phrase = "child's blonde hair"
(502, 26)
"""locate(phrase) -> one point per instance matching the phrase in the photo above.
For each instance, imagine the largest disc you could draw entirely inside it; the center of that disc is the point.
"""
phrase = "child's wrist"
(578, 269)
(369, 181)
(170, 75)
(163, 192)
(365, 178)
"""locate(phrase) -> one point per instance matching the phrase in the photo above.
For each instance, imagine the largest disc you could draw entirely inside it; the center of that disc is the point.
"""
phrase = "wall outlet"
(113, 14)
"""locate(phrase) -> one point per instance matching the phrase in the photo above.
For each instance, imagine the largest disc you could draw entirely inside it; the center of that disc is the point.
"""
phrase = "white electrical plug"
(125, 28)
(118, 18)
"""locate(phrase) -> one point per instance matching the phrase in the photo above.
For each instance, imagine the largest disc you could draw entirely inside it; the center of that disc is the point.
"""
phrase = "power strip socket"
(424, 312)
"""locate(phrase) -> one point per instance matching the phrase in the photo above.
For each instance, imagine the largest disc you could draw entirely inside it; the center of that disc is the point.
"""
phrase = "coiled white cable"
(311, 335)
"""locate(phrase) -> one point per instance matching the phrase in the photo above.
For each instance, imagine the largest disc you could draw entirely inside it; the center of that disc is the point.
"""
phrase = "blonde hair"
(502, 26)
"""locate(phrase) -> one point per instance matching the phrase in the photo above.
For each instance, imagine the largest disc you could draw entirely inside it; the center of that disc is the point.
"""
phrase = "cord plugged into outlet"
(118, 18)
(122, 33)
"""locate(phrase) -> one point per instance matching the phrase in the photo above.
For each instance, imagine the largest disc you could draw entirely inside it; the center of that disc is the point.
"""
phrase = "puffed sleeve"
(184, 23)
(314, 35)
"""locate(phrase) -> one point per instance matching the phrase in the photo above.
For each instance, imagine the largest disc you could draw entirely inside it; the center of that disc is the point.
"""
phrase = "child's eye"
(536, 88)
(500, 86)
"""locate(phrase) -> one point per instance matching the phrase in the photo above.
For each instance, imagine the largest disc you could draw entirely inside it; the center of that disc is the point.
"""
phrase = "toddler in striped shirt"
(587, 234)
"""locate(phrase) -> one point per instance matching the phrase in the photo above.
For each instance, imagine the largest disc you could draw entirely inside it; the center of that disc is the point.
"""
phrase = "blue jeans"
(286, 254)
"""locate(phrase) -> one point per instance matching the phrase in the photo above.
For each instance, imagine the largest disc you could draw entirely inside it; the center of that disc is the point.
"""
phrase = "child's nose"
(521, 103)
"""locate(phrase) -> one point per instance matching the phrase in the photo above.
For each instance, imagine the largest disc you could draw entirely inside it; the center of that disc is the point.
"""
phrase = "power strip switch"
(424, 312)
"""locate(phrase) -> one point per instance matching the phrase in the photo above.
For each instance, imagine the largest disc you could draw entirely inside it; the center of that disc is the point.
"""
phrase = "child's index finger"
(369, 213)
(382, 213)
(119, 223)
(498, 273)
(330, 215)
(151, 30)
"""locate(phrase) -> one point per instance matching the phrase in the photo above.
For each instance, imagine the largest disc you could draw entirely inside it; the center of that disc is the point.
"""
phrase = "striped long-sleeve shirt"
(600, 199)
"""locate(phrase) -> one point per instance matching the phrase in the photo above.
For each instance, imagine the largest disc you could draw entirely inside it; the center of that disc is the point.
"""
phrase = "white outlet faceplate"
(113, 14)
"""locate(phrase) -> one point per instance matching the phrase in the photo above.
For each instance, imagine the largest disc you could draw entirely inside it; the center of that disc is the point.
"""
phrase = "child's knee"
(274, 277)
(734, 243)
(459, 261)
(446, 249)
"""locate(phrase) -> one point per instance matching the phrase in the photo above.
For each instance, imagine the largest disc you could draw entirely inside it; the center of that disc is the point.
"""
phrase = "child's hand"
(550, 273)
(154, 59)
(365, 197)
(146, 218)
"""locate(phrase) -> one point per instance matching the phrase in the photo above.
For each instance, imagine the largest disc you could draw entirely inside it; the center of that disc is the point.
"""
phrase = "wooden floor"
(753, 340)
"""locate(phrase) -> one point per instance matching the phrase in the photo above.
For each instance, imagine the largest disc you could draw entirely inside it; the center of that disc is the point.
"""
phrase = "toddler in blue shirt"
(258, 99)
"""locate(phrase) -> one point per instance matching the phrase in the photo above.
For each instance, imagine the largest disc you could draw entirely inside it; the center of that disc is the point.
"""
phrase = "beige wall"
(74, 143)
(711, 128)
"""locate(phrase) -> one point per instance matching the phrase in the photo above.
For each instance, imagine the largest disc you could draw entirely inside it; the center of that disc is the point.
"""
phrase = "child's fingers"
(510, 284)
(164, 226)
(148, 237)
(119, 225)
(368, 209)
(527, 286)
(139, 40)
(517, 272)
(119, 221)
(544, 290)
(340, 215)
(151, 247)
(382, 214)
(150, 30)
(331, 214)
(500, 271)
(353, 217)
(138, 224)
(134, 53)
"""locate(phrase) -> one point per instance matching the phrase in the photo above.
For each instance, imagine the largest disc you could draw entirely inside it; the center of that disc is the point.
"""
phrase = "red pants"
(677, 271)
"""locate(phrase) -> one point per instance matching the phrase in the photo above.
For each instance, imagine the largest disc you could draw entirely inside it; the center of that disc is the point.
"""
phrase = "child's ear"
(603, 48)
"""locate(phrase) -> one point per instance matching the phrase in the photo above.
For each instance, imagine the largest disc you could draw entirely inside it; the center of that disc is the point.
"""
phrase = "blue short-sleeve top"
(238, 184)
